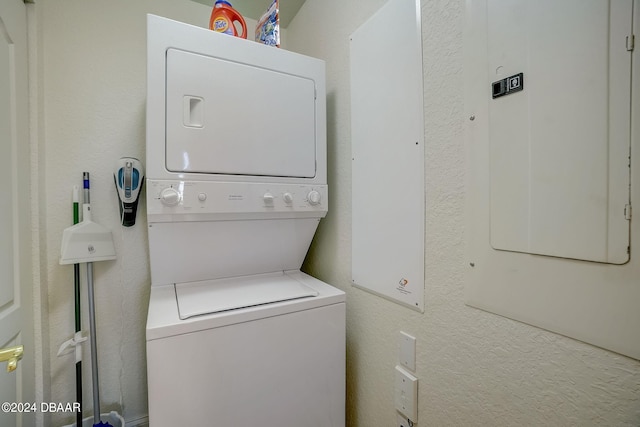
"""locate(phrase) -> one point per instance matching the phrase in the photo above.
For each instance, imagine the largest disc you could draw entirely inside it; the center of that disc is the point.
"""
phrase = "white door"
(16, 321)
(252, 121)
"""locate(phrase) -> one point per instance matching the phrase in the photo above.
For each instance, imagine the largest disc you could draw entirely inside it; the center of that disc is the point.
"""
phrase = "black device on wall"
(128, 178)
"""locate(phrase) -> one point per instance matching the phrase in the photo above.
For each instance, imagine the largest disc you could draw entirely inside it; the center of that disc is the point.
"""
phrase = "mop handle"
(85, 181)
(76, 267)
(92, 312)
(76, 204)
(94, 346)
(76, 287)
(86, 205)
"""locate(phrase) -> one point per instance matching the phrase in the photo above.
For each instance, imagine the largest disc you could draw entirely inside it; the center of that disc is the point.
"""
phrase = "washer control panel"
(198, 197)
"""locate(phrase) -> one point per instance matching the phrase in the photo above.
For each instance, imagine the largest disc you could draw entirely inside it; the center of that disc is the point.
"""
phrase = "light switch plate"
(406, 394)
(408, 351)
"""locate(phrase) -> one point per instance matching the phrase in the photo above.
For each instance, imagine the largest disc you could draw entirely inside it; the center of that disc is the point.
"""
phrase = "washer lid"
(214, 296)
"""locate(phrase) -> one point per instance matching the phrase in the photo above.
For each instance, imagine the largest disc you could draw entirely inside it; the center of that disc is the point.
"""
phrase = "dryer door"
(231, 118)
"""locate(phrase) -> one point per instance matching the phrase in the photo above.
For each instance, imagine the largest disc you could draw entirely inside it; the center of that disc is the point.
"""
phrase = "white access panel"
(594, 302)
(227, 117)
(387, 136)
(192, 251)
(560, 147)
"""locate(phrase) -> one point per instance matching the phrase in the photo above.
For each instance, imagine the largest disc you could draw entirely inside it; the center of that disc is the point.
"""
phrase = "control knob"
(313, 197)
(170, 196)
(288, 198)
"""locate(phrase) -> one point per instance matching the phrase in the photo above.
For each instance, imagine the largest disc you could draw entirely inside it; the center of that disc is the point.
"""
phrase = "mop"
(78, 313)
(74, 344)
(89, 242)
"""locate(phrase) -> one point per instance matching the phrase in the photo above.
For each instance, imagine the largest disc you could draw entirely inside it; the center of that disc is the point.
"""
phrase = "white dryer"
(236, 187)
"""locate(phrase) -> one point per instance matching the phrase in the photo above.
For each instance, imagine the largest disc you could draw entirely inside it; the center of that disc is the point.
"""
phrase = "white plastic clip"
(68, 346)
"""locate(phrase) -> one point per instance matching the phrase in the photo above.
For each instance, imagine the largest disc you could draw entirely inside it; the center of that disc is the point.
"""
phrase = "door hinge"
(631, 42)
(627, 211)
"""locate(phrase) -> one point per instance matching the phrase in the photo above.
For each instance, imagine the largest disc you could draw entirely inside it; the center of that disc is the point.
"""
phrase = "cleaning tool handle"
(86, 207)
(76, 201)
(93, 340)
(78, 322)
(85, 181)
(76, 267)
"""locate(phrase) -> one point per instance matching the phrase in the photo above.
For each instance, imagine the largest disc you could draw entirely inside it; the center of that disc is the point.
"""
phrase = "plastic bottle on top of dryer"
(224, 17)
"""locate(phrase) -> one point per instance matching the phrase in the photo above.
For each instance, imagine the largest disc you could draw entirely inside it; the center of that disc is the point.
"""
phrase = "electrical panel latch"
(507, 86)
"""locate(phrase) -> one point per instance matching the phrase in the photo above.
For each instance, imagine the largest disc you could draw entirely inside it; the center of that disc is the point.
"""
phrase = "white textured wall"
(94, 89)
(475, 368)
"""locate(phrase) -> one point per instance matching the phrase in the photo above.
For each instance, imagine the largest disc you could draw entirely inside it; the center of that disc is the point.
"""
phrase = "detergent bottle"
(223, 18)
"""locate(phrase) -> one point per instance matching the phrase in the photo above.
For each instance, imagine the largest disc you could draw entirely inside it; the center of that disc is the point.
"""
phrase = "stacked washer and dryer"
(237, 335)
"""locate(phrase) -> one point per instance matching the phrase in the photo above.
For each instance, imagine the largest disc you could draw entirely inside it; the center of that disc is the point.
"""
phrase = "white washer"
(236, 187)
(278, 364)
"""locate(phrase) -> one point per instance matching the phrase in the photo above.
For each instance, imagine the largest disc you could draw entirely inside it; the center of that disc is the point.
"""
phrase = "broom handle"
(85, 182)
(92, 314)
(76, 287)
(94, 346)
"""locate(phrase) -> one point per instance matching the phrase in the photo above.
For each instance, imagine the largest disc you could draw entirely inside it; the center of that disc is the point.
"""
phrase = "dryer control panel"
(204, 200)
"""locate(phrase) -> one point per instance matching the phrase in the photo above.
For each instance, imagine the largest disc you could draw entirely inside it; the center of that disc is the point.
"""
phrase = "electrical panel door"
(559, 96)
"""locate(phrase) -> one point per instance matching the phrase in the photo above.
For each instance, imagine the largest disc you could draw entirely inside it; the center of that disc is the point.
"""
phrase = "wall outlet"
(406, 394)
